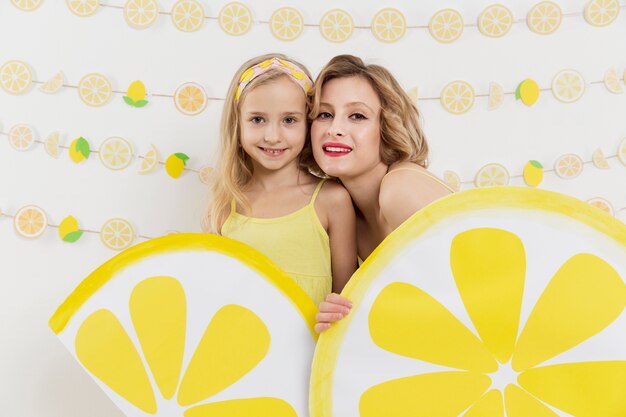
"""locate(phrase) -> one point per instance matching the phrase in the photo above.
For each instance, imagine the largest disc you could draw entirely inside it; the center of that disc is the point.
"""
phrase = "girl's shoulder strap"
(233, 206)
(421, 171)
(317, 191)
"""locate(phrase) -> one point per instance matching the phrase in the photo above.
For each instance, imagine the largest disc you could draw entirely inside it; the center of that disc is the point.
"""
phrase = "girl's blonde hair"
(234, 166)
(402, 137)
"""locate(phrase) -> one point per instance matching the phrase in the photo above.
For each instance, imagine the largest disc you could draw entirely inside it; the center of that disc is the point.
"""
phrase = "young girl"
(265, 196)
(367, 132)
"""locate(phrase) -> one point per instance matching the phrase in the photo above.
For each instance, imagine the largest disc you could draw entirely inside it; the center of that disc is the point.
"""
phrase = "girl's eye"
(358, 116)
(257, 120)
(324, 115)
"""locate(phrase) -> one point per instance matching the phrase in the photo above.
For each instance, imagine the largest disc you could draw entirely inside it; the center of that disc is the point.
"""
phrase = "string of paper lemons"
(115, 153)
(387, 25)
(566, 166)
(457, 97)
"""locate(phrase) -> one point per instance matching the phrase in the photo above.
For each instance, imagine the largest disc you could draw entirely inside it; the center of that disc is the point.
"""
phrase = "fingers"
(337, 299)
(328, 317)
(333, 309)
(320, 327)
(326, 307)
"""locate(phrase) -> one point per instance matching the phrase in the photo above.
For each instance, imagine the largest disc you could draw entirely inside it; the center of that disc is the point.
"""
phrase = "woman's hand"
(333, 309)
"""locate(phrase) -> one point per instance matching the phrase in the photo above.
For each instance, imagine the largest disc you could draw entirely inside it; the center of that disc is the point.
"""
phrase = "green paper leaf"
(536, 164)
(141, 103)
(517, 91)
(129, 101)
(182, 156)
(73, 236)
(82, 146)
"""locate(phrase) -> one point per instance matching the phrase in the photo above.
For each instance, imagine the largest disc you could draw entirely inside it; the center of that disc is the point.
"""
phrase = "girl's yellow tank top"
(297, 242)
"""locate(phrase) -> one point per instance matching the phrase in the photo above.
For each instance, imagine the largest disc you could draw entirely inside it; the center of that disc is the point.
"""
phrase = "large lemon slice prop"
(193, 325)
(491, 302)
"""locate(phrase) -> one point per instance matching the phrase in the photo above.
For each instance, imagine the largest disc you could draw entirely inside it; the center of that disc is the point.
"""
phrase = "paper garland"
(115, 153)
(190, 98)
(387, 25)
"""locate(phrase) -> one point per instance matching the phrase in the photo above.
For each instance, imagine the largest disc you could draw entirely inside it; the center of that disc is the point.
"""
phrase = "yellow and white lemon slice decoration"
(83, 8)
(599, 161)
(194, 325)
(495, 21)
(602, 204)
(188, 15)
(568, 166)
(190, 99)
(117, 234)
(544, 18)
(95, 90)
(30, 222)
(21, 137)
(141, 14)
(235, 19)
(388, 25)
(413, 94)
(54, 84)
(205, 174)
(15, 77)
(115, 153)
(336, 25)
(27, 5)
(452, 179)
(484, 301)
(492, 175)
(150, 160)
(446, 25)
(51, 144)
(621, 152)
(496, 95)
(286, 23)
(612, 82)
(568, 86)
(457, 97)
(601, 12)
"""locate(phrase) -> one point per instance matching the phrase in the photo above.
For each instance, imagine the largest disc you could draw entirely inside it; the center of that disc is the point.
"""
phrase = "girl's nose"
(271, 135)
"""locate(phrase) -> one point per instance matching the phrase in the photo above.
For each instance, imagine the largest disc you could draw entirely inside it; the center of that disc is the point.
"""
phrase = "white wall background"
(37, 376)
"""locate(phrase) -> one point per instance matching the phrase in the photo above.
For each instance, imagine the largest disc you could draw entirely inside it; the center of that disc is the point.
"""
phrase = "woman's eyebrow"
(360, 103)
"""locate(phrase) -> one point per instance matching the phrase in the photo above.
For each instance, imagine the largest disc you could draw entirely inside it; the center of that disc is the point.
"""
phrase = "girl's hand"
(333, 309)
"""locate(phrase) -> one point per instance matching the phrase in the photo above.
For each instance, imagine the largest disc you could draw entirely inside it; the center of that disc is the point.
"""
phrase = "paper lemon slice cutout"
(188, 15)
(495, 21)
(388, 25)
(457, 97)
(15, 77)
(568, 86)
(235, 19)
(612, 81)
(115, 153)
(602, 204)
(496, 95)
(492, 175)
(336, 25)
(83, 8)
(21, 137)
(141, 14)
(205, 174)
(599, 160)
(190, 99)
(568, 166)
(544, 18)
(286, 23)
(194, 325)
(117, 234)
(446, 25)
(54, 84)
(621, 152)
(95, 90)
(452, 179)
(30, 222)
(601, 12)
(413, 94)
(150, 160)
(27, 5)
(490, 299)
(51, 145)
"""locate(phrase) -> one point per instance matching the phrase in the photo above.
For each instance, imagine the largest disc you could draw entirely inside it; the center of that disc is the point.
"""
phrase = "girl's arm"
(338, 211)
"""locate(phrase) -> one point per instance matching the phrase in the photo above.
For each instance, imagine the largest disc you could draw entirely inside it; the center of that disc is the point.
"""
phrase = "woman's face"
(346, 133)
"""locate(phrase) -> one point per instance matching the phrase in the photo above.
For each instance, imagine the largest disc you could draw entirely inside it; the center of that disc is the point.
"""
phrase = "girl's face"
(274, 124)
(346, 134)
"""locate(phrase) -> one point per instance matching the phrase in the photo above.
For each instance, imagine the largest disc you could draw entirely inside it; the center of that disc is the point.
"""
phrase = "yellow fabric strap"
(420, 171)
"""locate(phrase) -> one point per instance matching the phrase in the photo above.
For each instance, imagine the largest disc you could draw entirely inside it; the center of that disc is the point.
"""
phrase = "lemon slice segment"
(95, 90)
(568, 166)
(52, 145)
(141, 14)
(150, 160)
(115, 153)
(83, 8)
(336, 25)
(446, 25)
(388, 25)
(21, 137)
(15, 77)
(599, 160)
(190, 99)
(27, 5)
(457, 97)
(286, 24)
(612, 81)
(602, 204)
(30, 222)
(492, 175)
(568, 86)
(188, 15)
(544, 18)
(235, 19)
(117, 234)
(495, 21)
(496, 95)
(601, 12)
(54, 84)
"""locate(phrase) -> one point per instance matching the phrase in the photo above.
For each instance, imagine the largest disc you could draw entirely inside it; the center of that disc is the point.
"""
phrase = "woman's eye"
(358, 116)
(324, 115)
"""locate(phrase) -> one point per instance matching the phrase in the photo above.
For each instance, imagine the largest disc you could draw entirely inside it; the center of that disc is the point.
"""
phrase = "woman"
(366, 132)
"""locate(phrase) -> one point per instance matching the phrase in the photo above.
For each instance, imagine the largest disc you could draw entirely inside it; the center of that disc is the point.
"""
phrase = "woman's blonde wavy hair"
(234, 166)
(402, 137)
